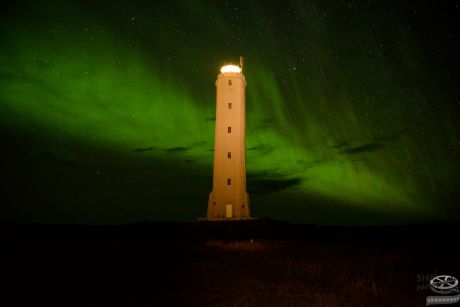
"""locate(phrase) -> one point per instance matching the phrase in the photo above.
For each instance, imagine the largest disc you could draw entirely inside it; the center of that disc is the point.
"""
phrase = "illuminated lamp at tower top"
(230, 69)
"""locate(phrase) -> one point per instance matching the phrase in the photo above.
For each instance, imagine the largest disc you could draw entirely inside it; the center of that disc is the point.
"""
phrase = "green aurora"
(107, 110)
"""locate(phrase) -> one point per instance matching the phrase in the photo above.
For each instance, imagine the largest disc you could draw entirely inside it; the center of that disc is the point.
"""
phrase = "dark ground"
(217, 264)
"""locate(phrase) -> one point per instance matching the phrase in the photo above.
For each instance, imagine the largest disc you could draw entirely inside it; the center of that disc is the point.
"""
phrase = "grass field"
(197, 264)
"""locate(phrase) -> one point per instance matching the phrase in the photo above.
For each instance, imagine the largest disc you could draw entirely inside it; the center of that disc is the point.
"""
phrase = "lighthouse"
(228, 199)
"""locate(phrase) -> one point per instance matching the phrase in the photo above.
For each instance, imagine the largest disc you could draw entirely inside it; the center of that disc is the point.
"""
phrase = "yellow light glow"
(230, 68)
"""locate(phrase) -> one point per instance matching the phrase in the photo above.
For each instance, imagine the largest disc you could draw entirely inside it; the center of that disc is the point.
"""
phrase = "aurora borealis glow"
(107, 109)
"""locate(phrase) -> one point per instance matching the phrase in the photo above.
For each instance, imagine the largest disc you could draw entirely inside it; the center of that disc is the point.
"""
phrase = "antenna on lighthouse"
(241, 63)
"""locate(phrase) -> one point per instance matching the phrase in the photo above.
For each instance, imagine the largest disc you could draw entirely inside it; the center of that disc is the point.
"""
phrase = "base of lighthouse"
(219, 209)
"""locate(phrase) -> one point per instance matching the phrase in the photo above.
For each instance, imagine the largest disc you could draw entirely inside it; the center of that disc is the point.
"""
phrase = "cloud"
(194, 177)
(340, 145)
(378, 143)
(263, 184)
(262, 149)
(371, 147)
(177, 149)
(172, 149)
(305, 165)
(144, 149)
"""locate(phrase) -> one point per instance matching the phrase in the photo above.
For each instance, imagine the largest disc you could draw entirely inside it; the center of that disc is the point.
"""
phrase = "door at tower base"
(229, 211)
(228, 199)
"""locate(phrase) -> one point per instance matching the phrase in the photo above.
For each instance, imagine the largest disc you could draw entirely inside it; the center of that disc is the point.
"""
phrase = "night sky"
(107, 109)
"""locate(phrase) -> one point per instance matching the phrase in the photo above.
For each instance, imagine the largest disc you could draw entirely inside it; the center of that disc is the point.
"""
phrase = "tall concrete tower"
(229, 199)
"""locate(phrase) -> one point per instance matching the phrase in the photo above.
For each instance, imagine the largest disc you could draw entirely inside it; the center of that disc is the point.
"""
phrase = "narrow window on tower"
(229, 154)
(229, 129)
(229, 82)
(229, 181)
(229, 105)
